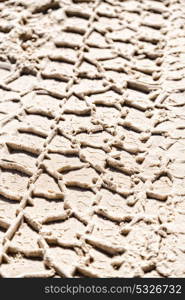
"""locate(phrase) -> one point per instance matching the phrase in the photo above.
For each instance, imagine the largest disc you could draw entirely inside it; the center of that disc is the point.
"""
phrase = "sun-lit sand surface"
(92, 139)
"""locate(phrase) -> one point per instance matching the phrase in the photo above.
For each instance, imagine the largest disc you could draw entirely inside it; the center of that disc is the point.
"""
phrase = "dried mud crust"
(92, 138)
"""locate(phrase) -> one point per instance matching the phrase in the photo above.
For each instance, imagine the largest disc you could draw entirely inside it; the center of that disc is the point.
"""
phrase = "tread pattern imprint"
(92, 140)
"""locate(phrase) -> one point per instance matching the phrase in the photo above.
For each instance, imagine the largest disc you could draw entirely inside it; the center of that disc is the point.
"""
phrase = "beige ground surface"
(92, 139)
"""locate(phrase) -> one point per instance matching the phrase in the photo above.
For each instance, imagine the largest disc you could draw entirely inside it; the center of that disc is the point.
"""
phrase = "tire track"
(104, 124)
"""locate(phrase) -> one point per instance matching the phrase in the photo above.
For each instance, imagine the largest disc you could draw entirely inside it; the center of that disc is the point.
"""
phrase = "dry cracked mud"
(92, 139)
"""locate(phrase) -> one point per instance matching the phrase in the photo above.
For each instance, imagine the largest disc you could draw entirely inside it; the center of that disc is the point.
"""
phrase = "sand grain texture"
(92, 142)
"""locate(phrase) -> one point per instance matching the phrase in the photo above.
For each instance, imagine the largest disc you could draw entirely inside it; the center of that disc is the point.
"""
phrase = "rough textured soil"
(92, 139)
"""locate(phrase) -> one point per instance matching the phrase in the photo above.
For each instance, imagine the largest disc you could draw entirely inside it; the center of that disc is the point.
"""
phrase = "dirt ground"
(92, 139)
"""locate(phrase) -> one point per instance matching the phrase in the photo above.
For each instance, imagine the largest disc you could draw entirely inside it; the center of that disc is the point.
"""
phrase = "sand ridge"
(92, 138)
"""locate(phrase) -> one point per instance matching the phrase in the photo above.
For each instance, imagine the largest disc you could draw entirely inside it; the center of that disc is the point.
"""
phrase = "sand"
(92, 140)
